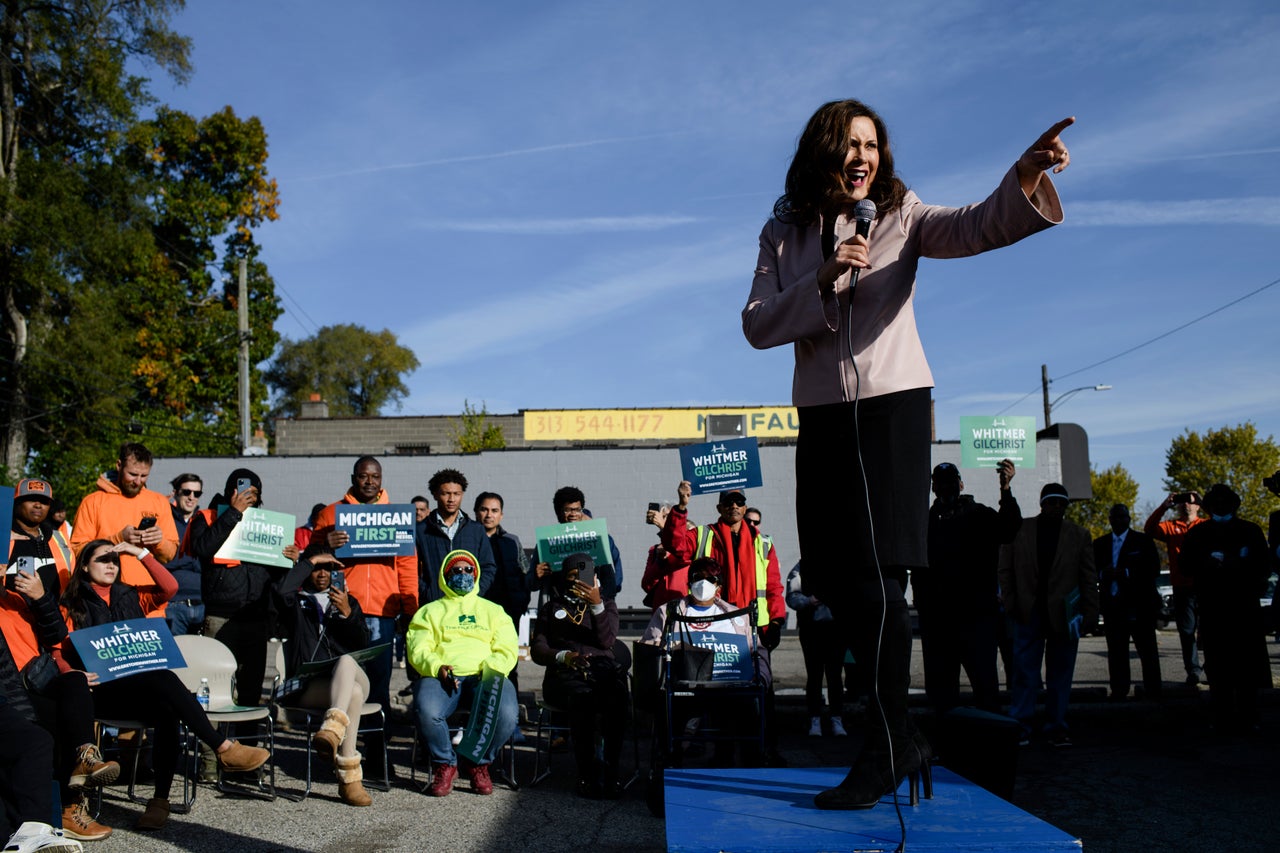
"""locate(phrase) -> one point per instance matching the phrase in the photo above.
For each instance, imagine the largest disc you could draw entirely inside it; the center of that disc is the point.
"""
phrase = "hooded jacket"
(386, 586)
(105, 513)
(463, 631)
(228, 587)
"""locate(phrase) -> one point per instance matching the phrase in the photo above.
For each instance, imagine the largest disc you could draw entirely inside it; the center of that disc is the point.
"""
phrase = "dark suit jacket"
(1072, 569)
(1127, 589)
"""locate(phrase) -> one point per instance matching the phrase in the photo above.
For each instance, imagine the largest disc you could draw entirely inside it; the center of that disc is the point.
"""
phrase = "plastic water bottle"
(203, 696)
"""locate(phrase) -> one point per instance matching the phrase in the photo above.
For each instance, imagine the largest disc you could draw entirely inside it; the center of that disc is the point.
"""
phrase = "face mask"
(703, 590)
(461, 583)
(1221, 518)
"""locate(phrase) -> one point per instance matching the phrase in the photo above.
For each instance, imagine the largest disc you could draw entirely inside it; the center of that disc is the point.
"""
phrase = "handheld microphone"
(863, 212)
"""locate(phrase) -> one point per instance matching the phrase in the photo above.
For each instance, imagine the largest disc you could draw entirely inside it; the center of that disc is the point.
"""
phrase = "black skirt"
(845, 521)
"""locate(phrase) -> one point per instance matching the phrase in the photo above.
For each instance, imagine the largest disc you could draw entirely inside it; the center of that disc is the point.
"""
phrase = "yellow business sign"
(639, 424)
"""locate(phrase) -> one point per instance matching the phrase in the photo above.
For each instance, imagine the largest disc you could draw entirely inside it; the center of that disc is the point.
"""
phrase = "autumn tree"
(1110, 487)
(474, 433)
(1234, 455)
(356, 371)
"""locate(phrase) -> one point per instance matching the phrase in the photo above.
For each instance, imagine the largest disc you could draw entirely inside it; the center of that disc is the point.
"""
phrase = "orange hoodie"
(384, 586)
(105, 514)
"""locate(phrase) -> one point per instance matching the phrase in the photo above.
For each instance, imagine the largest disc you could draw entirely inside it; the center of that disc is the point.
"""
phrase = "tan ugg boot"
(350, 781)
(332, 731)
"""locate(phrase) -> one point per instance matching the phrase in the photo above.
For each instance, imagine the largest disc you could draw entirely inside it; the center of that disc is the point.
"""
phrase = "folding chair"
(312, 717)
(209, 659)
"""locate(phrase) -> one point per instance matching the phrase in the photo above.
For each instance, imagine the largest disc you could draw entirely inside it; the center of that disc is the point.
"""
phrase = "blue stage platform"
(772, 811)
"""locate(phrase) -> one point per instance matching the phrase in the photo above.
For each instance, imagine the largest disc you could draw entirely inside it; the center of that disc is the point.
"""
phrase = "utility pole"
(1044, 385)
(242, 305)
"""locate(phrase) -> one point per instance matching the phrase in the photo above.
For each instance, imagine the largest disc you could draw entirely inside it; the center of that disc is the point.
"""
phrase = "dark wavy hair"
(73, 597)
(445, 475)
(816, 175)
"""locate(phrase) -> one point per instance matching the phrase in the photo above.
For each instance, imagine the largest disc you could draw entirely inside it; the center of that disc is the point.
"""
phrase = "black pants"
(26, 763)
(161, 700)
(1118, 631)
(955, 633)
(822, 645)
(65, 709)
(604, 698)
(862, 503)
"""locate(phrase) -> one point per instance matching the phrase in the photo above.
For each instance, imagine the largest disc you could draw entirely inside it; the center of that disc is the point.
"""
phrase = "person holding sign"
(861, 385)
(574, 639)
(324, 622)
(464, 646)
(236, 593)
(96, 595)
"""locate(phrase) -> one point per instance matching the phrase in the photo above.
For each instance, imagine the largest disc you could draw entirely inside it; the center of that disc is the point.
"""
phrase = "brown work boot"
(155, 816)
(90, 770)
(442, 780)
(241, 759)
(331, 733)
(351, 781)
(77, 823)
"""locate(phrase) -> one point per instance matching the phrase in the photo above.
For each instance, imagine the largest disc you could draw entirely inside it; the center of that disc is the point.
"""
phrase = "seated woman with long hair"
(95, 595)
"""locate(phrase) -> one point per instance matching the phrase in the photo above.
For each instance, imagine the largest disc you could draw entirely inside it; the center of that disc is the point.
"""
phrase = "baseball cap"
(1053, 490)
(944, 470)
(729, 496)
(33, 488)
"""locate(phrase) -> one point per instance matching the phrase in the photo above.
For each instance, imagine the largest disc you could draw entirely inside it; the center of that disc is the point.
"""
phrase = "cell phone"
(243, 483)
(586, 573)
(147, 522)
(655, 506)
(1182, 498)
(338, 579)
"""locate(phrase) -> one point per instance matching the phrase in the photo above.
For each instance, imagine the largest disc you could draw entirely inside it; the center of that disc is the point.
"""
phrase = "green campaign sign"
(260, 537)
(985, 440)
(557, 541)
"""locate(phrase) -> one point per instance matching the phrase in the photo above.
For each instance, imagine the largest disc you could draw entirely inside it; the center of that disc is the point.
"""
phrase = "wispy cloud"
(575, 225)
(578, 300)
(492, 155)
(1205, 211)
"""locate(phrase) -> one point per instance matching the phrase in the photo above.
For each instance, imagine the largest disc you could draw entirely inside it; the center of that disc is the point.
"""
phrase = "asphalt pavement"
(1142, 775)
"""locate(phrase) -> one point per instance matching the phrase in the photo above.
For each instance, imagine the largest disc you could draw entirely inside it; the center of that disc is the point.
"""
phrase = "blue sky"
(557, 204)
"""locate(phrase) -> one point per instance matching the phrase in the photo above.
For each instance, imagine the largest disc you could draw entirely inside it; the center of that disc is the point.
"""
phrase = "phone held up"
(147, 522)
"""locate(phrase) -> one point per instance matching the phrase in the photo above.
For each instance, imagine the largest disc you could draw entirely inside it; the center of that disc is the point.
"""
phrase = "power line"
(1148, 342)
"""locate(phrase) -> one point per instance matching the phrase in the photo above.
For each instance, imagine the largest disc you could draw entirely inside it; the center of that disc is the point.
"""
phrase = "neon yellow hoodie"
(462, 631)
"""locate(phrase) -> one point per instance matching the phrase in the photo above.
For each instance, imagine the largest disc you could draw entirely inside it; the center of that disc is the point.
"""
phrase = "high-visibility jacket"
(761, 587)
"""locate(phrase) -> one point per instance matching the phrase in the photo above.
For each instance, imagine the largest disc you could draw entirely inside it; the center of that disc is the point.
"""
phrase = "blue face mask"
(1221, 518)
(461, 583)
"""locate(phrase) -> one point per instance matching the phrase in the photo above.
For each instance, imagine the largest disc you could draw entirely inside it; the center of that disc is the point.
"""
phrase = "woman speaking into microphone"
(841, 293)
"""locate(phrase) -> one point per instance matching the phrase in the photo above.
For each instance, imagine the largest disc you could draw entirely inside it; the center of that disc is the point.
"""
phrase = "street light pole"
(1044, 386)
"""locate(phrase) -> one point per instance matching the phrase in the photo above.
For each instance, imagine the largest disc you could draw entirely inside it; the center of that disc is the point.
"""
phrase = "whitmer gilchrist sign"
(985, 440)
(722, 465)
(127, 648)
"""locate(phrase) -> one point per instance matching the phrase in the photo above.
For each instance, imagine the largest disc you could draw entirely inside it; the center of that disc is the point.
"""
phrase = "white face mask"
(703, 590)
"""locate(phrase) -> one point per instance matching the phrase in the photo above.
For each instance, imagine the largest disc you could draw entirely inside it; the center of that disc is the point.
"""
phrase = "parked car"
(1164, 586)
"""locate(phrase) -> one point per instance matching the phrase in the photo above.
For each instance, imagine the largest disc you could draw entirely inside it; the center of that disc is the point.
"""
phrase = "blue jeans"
(1183, 605)
(433, 707)
(184, 618)
(1032, 643)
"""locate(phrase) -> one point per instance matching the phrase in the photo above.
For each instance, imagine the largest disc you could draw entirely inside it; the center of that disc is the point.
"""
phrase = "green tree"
(474, 432)
(356, 371)
(1234, 455)
(1110, 487)
(65, 99)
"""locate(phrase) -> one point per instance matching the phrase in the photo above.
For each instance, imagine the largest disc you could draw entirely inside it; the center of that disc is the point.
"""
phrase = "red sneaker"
(480, 781)
(442, 781)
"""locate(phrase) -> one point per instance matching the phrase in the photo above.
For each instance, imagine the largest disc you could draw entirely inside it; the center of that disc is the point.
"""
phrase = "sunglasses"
(191, 493)
(737, 501)
(462, 569)
(704, 576)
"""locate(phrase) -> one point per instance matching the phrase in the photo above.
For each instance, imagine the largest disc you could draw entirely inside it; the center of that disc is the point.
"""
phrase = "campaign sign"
(482, 724)
(557, 541)
(127, 648)
(260, 537)
(376, 530)
(722, 465)
(732, 654)
(985, 440)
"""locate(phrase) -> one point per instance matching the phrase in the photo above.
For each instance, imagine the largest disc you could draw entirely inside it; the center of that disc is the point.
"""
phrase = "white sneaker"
(457, 737)
(837, 728)
(815, 727)
(32, 836)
